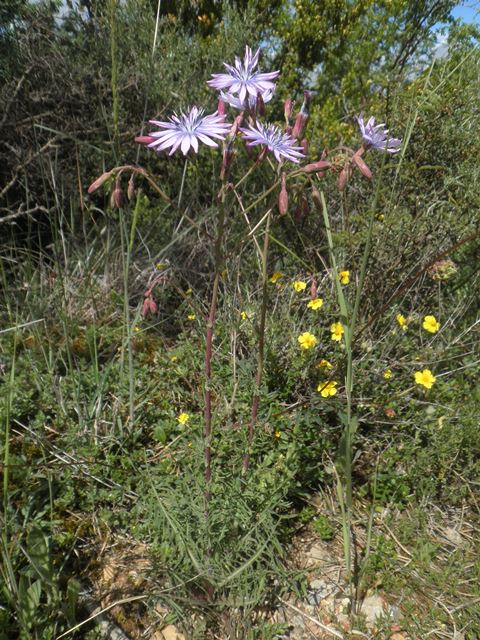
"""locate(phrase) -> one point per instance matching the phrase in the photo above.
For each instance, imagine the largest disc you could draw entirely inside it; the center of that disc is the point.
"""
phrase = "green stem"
(114, 78)
(261, 346)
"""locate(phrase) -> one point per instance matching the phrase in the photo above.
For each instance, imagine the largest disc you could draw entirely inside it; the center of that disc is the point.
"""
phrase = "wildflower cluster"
(245, 88)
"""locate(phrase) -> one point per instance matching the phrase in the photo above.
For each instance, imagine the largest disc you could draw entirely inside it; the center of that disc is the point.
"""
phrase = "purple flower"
(186, 129)
(249, 103)
(376, 136)
(242, 79)
(280, 143)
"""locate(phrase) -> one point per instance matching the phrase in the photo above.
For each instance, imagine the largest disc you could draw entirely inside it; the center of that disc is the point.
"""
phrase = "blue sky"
(468, 11)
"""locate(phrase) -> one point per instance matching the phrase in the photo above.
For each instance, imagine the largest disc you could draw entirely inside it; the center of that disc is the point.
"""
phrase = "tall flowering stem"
(218, 257)
(344, 466)
(261, 347)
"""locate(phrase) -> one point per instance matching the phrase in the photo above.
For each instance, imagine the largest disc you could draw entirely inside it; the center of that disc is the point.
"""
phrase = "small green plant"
(324, 529)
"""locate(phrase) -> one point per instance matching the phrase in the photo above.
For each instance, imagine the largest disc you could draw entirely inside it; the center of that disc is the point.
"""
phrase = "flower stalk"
(261, 347)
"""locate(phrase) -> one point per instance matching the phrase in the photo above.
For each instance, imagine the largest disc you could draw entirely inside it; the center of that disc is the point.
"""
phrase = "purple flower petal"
(186, 130)
(279, 143)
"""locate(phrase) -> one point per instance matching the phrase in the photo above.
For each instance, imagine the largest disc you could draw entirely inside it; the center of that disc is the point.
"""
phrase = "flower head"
(276, 141)
(191, 316)
(327, 389)
(275, 277)
(402, 321)
(431, 324)
(324, 364)
(425, 378)
(315, 304)
(185, 130)
(344, 277)
(376, 136)
(299, 286)
(337, 331)
(245, 315)
(243, 80)
(387, 374)
(307, 340)
(183, 418)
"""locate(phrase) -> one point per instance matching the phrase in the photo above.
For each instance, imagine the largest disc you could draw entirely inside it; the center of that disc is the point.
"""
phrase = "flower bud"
(131, 188)
(361, 164)
(149, 305)
(221, 108)
(144, 139)
(320, 165)
(288, 110)
(313, 289)
(299, 126)
(304, 144)
(283, 197)
(343, 177)
(96, 184)
(116, 199)
(317, 199)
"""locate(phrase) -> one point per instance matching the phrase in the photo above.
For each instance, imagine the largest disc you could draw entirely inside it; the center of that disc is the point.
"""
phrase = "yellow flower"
(137, 329)
(431, 324)
(299, 286)
(277, 434)
(387, 374)
(380, 216)
(191, 316)
(183, 418)
(402, 321)
(327, 389)
(337, 331)
(324, 364)
(307, 340)
(245, 316)
(315, 304)
(344, 277)
(425, 378)
(173, 358)
(188, 292)
(275, 277)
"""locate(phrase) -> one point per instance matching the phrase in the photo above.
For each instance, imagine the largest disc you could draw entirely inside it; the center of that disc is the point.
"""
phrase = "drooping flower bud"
(283, 196)
(343, 177)
(320, 165)
(131, 188)
(116, 199)
(96, 184)
(144, 139)
(317, 198)
(304, 144)
(362, 165)
(313, 289)
(149, 305)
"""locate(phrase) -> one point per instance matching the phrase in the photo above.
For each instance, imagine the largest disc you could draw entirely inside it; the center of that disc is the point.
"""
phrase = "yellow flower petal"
(315, 304)
(299, 286)
(337, 331)
(431, 324)
(307, 340)
(425, 378)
